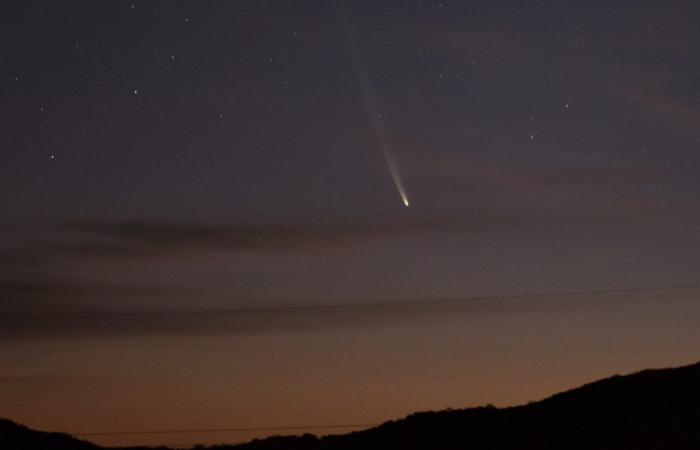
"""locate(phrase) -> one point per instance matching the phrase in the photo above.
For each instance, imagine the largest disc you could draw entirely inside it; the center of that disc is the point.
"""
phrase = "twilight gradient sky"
(201, 228)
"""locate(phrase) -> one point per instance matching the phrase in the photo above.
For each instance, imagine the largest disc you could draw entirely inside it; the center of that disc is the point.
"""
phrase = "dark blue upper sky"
(226, 109)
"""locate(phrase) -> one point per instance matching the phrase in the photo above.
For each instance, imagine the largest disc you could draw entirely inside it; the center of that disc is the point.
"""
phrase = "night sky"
(233, 214)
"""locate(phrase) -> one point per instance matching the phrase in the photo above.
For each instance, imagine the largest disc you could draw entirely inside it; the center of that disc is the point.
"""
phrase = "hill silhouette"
(648, 410)
(14, 436)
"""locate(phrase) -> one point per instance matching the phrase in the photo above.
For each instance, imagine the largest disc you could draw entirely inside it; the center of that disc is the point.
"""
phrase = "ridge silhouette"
(649, 410)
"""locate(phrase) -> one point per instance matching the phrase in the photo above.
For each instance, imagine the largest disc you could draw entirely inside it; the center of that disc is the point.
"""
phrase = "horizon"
(244, 215)
(632, 382)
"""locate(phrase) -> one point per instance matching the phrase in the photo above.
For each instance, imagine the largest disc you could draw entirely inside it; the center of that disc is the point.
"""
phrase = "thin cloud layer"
(39, 300)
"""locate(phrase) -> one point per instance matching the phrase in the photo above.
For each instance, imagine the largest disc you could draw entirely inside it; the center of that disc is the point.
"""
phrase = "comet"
(372, 110)
(394, 171)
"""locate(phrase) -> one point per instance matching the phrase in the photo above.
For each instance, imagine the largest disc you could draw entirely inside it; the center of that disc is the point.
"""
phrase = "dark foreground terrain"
(653, 409)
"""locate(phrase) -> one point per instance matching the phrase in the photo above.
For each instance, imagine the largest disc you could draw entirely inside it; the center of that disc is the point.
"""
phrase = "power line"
(349, 305)
(375, 304)
(226, 430)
